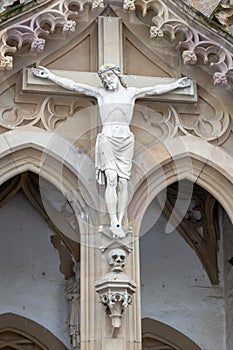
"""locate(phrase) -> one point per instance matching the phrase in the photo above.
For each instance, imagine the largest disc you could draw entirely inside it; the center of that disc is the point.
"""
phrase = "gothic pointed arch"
(54, 159)
(157, 335)
(20, 333)
(188, 173)
(182, 158)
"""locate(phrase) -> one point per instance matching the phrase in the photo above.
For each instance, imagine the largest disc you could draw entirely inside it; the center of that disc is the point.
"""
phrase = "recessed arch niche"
(157, 335)
(177, 287)
(21, 333)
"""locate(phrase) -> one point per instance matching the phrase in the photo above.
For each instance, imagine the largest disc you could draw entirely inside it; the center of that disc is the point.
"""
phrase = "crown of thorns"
(108, 66)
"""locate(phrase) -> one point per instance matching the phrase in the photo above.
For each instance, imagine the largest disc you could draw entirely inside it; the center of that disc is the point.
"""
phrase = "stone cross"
(115, 144)
(110, 51)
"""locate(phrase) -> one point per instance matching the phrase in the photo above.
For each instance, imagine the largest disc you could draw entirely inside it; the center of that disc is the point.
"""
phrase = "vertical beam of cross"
(110, 41)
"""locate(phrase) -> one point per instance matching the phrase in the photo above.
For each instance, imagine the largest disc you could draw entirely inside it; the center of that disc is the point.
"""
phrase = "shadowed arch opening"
(157, 335)
(17, 332)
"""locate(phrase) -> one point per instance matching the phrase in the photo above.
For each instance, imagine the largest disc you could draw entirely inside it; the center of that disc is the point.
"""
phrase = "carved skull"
(117, 259)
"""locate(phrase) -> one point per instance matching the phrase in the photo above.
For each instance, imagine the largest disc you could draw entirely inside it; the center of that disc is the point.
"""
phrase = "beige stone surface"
(178, 137)
(204, 6)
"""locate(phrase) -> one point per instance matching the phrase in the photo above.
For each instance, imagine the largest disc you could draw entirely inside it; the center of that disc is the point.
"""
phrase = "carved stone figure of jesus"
(115, 143)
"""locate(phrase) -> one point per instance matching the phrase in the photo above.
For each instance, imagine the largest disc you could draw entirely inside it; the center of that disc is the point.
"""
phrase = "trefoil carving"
(195, 47)
(36, 29)
(116, 302)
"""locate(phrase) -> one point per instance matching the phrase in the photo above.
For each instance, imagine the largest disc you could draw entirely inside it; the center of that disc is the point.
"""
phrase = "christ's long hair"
(116, 70)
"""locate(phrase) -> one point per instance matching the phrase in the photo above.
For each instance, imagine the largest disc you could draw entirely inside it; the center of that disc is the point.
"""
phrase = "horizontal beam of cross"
(33, 84)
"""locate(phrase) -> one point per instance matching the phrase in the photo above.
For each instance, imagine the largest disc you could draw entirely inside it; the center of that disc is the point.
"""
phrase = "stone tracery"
(194, 45)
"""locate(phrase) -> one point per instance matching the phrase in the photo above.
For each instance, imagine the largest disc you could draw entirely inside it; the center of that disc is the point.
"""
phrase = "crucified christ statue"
(115, 144)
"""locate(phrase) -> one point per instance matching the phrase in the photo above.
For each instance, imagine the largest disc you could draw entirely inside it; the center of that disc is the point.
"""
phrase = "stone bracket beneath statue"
(115, 291)
(116, 288)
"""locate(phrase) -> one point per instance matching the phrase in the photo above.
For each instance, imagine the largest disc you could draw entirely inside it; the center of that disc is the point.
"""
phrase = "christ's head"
(111, 76)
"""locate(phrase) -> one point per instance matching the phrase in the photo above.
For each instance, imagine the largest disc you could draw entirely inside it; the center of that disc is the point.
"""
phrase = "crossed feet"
(117, 231)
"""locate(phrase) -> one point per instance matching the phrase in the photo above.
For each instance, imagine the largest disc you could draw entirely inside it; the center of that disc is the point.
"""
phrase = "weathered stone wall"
(31, 284)
(204, 6)
(175, 287)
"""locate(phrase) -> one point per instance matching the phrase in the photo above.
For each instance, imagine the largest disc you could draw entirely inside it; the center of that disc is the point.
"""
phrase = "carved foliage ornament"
(116, 302)
(195, 46)
(224, 15)
(36, 29)
(198, 47)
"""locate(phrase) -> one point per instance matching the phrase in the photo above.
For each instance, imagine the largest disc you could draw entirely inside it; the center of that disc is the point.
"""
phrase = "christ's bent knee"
(111, 177)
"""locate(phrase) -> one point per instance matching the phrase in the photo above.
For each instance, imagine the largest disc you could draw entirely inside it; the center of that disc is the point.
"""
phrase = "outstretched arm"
(163, 89)
(68, 84)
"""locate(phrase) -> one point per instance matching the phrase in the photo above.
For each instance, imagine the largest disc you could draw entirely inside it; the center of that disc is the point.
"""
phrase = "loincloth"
(114, 153)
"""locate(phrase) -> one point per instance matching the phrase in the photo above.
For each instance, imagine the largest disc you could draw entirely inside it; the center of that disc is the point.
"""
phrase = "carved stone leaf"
(165, 21)
(195, 47)
(35, 29)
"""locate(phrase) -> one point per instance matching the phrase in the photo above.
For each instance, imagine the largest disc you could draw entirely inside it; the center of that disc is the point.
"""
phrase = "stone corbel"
(116, 288)
(116, 295)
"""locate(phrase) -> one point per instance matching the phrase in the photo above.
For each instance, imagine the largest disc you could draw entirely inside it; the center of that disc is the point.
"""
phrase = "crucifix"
(115, 143)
